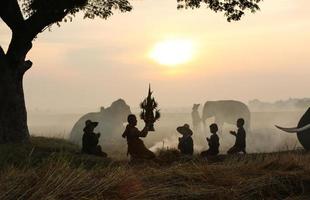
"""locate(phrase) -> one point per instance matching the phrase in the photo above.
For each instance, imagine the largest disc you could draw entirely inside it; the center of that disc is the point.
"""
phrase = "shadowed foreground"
(54, 169)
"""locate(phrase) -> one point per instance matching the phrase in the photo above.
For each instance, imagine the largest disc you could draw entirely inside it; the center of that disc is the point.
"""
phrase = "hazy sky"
(88, 63)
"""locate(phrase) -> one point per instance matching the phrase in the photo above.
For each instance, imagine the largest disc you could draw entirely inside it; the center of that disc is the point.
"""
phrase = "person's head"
(240, 122)
(213, 128)
(185, 130)
(90, 125)
(132, 120)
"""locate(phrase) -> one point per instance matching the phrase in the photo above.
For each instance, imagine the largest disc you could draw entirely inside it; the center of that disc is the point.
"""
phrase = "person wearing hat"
(185, 145)
(136, 148)
(213, 142)
(90, 140)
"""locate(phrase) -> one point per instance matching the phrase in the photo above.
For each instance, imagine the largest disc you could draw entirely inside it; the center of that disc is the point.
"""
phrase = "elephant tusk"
(295, 129)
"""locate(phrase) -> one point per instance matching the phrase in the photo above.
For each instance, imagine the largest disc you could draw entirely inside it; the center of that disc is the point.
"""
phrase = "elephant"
(110, 125)
(226, 111)
(302, 130)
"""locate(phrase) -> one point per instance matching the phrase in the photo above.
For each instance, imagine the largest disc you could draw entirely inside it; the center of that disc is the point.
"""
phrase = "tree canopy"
(27, 18)
(35, 15)
(91, 8)
(233, 9)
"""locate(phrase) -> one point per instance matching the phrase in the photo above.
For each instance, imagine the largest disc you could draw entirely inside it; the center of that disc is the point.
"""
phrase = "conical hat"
(185, 130)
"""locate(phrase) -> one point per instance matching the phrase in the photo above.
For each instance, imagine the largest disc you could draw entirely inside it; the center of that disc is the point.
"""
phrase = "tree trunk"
(13, 114)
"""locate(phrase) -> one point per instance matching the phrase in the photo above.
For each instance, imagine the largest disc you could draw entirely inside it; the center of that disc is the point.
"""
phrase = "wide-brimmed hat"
(185, 130)
(90, 123)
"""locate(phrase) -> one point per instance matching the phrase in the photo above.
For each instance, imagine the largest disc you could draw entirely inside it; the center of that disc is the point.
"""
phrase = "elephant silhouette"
(111, 124)
(226, 111)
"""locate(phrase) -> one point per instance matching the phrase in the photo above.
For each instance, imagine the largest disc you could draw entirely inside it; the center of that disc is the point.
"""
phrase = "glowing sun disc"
(172, 52)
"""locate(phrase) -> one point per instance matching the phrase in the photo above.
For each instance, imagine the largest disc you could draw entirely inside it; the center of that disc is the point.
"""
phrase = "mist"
(263, 136)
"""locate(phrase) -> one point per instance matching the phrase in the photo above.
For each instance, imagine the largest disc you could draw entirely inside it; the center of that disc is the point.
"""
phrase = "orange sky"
(88, 63)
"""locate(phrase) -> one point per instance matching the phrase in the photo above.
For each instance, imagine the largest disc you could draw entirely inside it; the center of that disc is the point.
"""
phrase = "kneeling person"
(90, 140)
(186, 145)
(136, 147)
(240, 139)
(213, 142)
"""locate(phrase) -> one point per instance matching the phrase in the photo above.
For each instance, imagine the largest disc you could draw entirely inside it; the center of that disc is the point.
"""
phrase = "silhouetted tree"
(233, 9)
(28, 18)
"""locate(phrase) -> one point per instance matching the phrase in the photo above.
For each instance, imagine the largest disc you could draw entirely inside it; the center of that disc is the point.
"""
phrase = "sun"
(172, 52)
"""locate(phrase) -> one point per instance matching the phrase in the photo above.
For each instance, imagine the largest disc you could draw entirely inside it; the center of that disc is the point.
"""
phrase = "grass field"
(263, 137)
(53, 169)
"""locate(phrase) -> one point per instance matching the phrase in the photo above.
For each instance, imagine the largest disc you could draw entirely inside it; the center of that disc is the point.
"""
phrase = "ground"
(49, 168)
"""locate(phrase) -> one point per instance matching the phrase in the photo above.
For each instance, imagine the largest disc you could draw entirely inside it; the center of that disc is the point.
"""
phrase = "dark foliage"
(233, 9)
(91, 8)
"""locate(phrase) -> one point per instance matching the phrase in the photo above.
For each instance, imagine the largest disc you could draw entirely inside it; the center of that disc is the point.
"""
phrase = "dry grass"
(52, 169)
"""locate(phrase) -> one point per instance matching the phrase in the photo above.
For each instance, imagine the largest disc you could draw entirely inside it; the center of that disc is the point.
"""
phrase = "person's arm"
(125, 132)
(144, 131)
(134, 132)
(233, 133)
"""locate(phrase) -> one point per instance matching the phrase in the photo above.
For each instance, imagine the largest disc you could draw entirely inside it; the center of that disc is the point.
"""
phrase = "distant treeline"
(281, 105)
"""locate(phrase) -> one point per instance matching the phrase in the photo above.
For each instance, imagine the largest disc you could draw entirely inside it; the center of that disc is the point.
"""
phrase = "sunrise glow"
(172, 52)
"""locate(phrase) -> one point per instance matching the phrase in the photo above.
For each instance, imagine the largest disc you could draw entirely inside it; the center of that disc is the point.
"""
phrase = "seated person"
(90, 140)
(213, 142)
(240, 139)
(136, 147)
(186, 145)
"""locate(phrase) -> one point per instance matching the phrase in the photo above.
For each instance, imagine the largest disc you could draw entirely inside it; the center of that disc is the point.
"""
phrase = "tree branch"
(24, 31)
(39, 21)
(25, 66)
(19, 46)
(11, 14)
(1, 52)
(22, 37)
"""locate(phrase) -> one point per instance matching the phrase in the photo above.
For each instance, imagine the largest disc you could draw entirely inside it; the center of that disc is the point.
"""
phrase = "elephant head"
(118, 111)
(209, 110)
(195, 107)
(302, 130)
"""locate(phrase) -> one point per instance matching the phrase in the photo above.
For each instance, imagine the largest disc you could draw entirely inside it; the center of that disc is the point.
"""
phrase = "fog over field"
(263, 137)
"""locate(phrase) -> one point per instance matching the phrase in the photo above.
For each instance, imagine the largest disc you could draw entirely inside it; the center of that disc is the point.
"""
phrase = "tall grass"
(53, 169)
